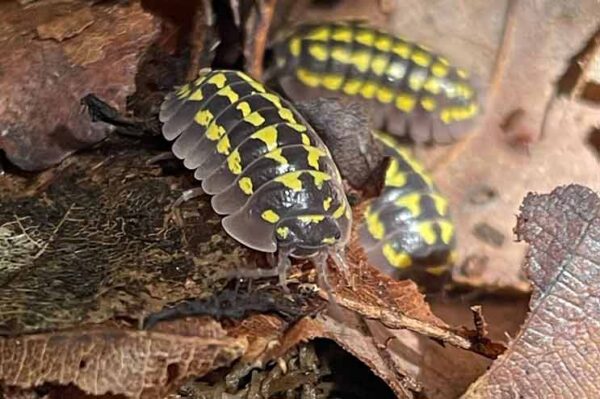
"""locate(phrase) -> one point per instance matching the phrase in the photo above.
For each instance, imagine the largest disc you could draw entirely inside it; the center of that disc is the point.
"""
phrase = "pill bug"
(415, 94)
(408, 226)
(266, 168)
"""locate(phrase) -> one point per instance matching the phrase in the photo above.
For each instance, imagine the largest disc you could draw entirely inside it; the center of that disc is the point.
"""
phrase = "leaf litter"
(556, 352)
(513, 123)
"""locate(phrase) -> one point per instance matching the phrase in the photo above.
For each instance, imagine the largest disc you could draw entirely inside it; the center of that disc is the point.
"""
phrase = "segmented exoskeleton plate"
(266, 168)
(408, 226)
(414, 93)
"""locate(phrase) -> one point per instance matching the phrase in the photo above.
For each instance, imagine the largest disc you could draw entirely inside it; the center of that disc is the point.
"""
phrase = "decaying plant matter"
(107, 290)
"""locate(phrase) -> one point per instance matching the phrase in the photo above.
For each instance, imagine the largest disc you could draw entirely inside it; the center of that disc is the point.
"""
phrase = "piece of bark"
(54, 55)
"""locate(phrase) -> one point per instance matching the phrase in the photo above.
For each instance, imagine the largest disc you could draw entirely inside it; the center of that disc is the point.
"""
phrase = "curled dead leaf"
(555, 355)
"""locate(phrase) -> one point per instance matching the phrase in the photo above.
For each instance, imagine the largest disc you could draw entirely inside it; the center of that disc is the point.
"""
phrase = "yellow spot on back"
(341, 54)
(251, 81)
(290, 180)
(463, 74)
(414, 164)
(412, 202)
(328, 240)
(267, 135)
(440, 203)
(374, 225)
(421, 58)
(224, 146)
(257, 86)
(245, 184)
(311, 218)
(394, 177)
(368, 90)
(447, 230)
(452, 257)
(439, 70)
(332, 81)
(427, 232)
(287, 115)
(352, 86)
(313, 155)
(295, 46)
(305, 139)
(228, 92)
(218, 80)
(320, 34)
(297, 127)
(379, 64)
(184, 91)
(244, 108)
(446, 115)
(405, 102)
(234, 162)
(383, 43)
(428, 103)
(255, 119)
(432, 85)
(327, 203)
(361, 60)
(451, 114)
(201, 78)
(203, 117)
(340, 211)
(402, 49)
(270, 216)
(215, 132)
(197, 95)
(273, 99)
(318, 51)
(398, 259)
(416, 80)
(342, 34)
(366, 37)
(308, 78)
(283, 232)
(385, 95)
(396, 70)
(437, 270)
(319, 177)
(464, 91)
(277, 156)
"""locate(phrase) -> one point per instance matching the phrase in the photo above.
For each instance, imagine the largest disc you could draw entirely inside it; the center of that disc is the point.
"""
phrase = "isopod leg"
(188, 195)
(280, 267)
(163, 156)
(283, 266)
(338, 257)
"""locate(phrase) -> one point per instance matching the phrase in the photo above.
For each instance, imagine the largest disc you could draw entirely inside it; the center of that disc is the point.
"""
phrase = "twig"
(255, 42)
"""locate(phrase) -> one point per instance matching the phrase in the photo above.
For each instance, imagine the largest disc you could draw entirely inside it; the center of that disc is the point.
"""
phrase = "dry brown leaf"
(95, 49)
(137, 364)
(555, 355)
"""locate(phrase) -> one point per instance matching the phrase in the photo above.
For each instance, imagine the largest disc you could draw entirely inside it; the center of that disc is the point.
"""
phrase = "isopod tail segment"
(407, 231)
(268, 172)
(416, 94)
